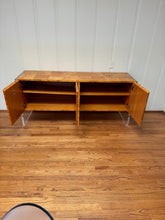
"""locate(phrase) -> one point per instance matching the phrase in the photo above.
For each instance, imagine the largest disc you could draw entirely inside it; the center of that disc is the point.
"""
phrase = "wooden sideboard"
(75, 91)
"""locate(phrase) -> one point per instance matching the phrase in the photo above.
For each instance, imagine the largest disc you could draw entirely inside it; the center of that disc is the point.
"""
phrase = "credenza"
(75, 91)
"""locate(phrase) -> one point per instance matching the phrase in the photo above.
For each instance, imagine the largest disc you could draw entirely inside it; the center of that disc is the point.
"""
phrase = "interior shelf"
(45, 102)
(104, 103)
(49, 92)
(43, 106)
(96, 93)
(103, 107)
(105, 89)
(49, 88)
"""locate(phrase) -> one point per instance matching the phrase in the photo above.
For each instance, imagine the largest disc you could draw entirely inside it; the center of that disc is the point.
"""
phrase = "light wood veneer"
(75, 91)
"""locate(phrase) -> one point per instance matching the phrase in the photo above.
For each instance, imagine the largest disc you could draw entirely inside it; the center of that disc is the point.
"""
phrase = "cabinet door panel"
(15, 101)
(137, 102)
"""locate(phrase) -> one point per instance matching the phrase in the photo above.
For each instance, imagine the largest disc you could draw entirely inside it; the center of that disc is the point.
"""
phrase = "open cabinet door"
(137, 102)
(15, 101)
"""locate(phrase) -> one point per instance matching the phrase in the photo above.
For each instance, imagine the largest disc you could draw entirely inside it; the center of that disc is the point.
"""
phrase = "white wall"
(85, 35)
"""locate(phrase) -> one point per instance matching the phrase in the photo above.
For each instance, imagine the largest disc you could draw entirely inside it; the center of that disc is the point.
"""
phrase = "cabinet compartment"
(104, 96)
(63, 88)
(49, 96)
(103, 103)
(47, 102)
(105, 89)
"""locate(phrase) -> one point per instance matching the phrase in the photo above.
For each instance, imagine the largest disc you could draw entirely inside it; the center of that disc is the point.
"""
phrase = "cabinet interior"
(61, 96)
(49, 96)
(104, 96)
(105, 89)
(66, 88)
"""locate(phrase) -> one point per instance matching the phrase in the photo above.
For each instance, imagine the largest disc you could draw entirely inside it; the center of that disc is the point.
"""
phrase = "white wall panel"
(124, 33)
(85, 35)
(66, 34)
(46, 33)
(10, 56)
(143, 38)
(157, 56)
(9, 48)
(27, 30)
(158, 102)
(105, 28)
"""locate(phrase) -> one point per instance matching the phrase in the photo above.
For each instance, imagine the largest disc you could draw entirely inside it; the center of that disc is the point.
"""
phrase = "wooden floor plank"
(99, 170)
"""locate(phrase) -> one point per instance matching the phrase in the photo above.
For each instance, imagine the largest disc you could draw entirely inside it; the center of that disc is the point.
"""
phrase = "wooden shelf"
(45, 102)
(49, 92)
(49, 88)
(103, 103)
(32, 106)
(105, 89)
(105, 93)
(103, 107)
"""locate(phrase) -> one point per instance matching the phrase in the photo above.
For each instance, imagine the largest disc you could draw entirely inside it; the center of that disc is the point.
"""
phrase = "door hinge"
(20, 85)
(128, 106)
(132, 87)
(23, 105)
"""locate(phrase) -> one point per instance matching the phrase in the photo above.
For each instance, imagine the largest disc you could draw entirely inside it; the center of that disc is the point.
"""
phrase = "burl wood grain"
(100, 170)
(75, 76)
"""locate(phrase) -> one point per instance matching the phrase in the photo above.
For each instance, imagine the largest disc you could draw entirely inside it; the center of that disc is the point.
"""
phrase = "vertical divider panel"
(77, 102)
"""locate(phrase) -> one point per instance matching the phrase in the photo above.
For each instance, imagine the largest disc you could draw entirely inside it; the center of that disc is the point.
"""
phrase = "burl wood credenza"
(75, 91)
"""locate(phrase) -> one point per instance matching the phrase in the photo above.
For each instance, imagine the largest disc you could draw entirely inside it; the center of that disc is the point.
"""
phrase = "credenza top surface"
(61, 76)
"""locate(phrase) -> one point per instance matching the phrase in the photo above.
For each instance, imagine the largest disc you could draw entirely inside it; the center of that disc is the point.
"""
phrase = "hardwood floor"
(99, 170)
